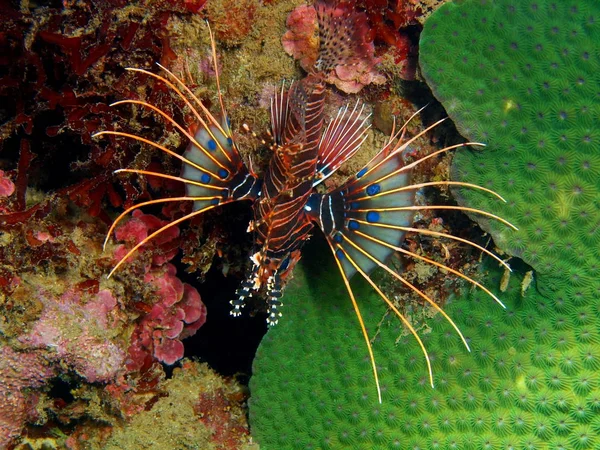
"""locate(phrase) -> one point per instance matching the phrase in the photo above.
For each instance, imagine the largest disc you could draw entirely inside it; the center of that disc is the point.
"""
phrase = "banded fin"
(217, 171)
(365, 221)
(213, 171)
(375, 208)
(341, 140)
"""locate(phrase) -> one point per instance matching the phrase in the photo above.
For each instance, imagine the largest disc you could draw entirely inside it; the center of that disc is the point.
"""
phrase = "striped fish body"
(280, 220)
(281, 224)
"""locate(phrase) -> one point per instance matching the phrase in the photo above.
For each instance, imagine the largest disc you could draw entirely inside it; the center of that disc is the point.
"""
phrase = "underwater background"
(152, 359)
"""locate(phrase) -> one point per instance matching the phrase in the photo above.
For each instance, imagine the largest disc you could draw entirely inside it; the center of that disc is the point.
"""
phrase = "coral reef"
(81, 354)
(63, 320)
(530, 381)
(198, 409)
(62, 323)
(20, 375)
(522, 77)
(301, 40)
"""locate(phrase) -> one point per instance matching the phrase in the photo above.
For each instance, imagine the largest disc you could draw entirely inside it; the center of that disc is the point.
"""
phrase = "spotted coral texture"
(530, 381)
(522, 77)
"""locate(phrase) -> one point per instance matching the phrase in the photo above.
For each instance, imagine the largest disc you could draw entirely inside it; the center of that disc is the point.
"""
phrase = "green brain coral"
(523, 76)
(531, 380)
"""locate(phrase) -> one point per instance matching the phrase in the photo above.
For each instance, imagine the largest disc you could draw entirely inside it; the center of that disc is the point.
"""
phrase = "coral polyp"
(535, 406)
(530, 67)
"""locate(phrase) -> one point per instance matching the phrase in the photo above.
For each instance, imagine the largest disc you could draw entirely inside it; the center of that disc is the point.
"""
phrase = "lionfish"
(364, 220)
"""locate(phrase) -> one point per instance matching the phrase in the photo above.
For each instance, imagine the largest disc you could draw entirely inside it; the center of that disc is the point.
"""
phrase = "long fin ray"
(380, 172)
(152, 143)
(195, 112)
(380, 162)
(168, 177)
(439, 234)
(169, 119)
(147, 203)
(413, 288)
(280, 111)
(213, 48)
(154, 234)
(213, 171)
(393, 308)
(360, 321)
(436, 183)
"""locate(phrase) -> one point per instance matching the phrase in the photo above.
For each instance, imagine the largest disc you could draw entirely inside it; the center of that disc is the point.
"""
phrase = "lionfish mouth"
(364, 220)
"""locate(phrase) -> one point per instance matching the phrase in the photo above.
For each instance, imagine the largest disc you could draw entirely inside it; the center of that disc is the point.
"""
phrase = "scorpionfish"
(364, 220)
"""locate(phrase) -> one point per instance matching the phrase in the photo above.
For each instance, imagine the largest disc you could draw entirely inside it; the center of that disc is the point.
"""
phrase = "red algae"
(62, 67)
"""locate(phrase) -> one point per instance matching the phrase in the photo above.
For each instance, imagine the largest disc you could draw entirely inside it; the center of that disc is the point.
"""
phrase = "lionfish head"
(269, 275)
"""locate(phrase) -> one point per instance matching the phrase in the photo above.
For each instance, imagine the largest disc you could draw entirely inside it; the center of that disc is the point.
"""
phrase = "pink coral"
(301, 40)
(178, 311)
(138, 228)
(76, 332)
(178, 314)
(7, 187)
(351, 79)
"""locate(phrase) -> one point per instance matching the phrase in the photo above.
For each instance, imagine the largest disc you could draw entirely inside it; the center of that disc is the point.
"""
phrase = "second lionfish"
(364, 220)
